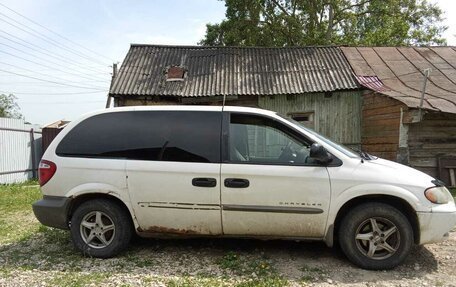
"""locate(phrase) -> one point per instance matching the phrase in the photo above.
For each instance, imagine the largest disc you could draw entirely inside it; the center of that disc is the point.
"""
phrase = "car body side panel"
(165, 201)
(80, 176)
(288, 201)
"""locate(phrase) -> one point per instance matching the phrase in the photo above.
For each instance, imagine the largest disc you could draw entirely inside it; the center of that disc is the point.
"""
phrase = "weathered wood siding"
(381, 119)
(336, 115)
(431, 138)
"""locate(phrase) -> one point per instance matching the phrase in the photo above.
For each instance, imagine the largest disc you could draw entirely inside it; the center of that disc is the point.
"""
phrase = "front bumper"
(52, 211)
(435, 226)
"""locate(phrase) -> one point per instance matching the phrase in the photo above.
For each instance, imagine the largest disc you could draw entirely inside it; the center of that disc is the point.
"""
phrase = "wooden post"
(427, 72)
(114, 74)
(33, 153)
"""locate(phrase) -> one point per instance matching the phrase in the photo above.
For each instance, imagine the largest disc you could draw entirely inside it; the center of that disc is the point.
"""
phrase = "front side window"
(255, 139)
(183, 136)
(345, 150)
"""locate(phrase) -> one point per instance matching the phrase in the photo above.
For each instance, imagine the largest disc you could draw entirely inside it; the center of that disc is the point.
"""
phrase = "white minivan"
(232, 172)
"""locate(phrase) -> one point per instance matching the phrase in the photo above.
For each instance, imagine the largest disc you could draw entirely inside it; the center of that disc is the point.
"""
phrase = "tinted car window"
(147, 135)
(255, 139)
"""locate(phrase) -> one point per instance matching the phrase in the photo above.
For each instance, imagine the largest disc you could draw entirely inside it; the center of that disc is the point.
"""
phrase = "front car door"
(174, 180)
(270, 187)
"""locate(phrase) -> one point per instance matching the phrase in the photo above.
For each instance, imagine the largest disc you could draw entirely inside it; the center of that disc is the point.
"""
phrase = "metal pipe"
(33, 153)
(18, 130)
(16, 171)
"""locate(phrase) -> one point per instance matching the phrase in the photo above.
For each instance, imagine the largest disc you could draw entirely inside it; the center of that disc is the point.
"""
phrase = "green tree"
(8, 107)
(327, 22)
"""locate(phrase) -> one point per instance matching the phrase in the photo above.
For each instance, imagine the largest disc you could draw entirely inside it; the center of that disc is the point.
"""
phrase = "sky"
(64, 72)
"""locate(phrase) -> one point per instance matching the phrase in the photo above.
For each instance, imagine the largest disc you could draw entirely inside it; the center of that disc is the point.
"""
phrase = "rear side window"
(185, 136)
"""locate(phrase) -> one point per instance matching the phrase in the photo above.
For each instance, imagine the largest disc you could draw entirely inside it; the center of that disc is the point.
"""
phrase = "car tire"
(100, 228)
(375, 236)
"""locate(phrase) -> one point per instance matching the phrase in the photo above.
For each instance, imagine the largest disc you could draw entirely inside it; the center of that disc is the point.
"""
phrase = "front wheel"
(100, 228)
(376, 236)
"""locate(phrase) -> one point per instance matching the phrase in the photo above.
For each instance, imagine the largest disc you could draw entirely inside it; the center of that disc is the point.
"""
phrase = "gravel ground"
(47, 258)
(34, 255)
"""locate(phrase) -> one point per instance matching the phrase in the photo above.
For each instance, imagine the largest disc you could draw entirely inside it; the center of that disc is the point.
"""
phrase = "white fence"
(20, 150)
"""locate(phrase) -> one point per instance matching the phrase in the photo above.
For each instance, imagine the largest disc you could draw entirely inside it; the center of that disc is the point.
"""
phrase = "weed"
(231, 261)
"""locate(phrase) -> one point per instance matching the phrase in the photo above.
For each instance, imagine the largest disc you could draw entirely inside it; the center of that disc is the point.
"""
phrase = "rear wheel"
(100, 228)
(376, 236)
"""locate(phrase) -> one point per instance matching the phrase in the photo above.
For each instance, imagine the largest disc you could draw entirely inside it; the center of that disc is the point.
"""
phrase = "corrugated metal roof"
(373, 83)
(216, 71)
(400, 69)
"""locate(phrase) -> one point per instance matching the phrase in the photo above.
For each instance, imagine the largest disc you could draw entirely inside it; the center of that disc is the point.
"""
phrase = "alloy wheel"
(97, 229)
(377, 238)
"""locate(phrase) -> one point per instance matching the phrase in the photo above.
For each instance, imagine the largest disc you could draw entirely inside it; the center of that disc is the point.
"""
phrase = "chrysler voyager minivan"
(232, 172)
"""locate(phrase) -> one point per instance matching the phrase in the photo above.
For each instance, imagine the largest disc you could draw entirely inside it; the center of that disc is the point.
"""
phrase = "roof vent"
(175, 73)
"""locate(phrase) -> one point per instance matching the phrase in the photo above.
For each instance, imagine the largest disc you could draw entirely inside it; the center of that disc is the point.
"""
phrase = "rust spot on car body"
(167, 230)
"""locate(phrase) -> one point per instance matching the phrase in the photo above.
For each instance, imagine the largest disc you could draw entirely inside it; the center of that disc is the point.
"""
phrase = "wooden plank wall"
(380, 125)
(246, 101)
(122, 102)
(336, 115)
(434, 136)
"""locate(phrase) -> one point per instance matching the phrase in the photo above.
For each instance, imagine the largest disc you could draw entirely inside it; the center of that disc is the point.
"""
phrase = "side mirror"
(319, 154)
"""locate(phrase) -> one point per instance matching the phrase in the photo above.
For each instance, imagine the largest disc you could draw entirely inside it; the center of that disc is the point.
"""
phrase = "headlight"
(438, 194)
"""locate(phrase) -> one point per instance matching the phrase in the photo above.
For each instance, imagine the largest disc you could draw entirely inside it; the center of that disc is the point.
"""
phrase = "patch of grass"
(75, 279)
(241, 265)
(274, 281)
(314, 269)
(17, 222)
(311, 273)
(255, 272)
(45, 249)
(17, 227)
(18, 197)
(196, 282)
(306, 278)
(231, 261)
(137, 260)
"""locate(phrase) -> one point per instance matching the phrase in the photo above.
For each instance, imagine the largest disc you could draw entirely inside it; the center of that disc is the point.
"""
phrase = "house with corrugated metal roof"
(409, 105)
(313, 85)
(369, 97)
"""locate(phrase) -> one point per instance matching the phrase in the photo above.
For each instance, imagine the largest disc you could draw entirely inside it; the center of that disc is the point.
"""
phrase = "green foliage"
(317, 22)
(8, 107)
(453, 192)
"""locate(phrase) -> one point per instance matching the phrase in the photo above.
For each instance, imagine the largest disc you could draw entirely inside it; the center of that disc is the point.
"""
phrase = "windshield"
(345, 150)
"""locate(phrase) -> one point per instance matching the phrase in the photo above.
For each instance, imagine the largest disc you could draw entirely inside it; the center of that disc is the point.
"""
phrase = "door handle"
(236, 182)
(204, 182)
